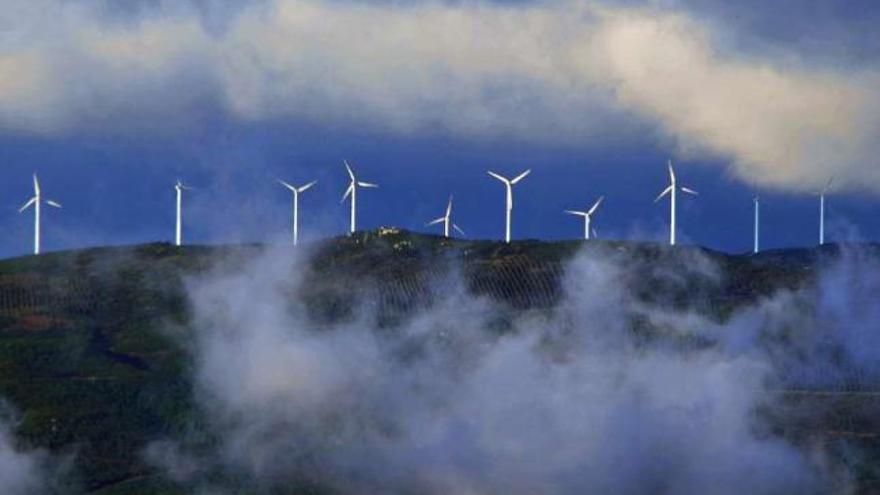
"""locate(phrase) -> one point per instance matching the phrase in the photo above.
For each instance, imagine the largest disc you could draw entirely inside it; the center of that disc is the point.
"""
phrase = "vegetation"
(88, 359)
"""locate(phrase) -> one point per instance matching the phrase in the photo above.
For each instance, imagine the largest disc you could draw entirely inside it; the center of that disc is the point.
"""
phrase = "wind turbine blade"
(435, 222)
(456, 227)
(521, 176)
(594, 233)
(36, 186)
(53, 203)
(347, 192)
(689, 191)
(347, 167)
(493, 174)
(671, 173)
(828, 185)
(307, 186)
(28, 204)
(449, 206)
(575, 212)
(664, 193)
(367, 184)
(596, 205)
(287, 185)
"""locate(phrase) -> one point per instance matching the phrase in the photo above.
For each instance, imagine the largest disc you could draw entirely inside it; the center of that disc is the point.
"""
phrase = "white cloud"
(575, 73)
(793, 127)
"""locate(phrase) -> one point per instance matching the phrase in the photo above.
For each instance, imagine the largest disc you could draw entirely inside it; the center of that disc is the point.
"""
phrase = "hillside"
(93, 356)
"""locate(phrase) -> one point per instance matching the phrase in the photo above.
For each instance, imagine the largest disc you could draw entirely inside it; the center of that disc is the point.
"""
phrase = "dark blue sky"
(113, 164)
(120, 190)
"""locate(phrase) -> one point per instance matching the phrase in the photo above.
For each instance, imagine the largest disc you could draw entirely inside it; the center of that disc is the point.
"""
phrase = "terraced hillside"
(92, 343)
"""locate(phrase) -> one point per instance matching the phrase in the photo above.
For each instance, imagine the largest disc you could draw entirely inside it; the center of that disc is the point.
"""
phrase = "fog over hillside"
(403, 363)
(22, 472)
(605, 393)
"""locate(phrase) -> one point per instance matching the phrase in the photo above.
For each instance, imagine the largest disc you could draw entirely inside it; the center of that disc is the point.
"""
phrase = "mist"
(21, 471)
(604, 393)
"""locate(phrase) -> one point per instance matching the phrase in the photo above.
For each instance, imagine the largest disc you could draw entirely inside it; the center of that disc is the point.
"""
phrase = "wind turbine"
(296, 191)
(178, 226)
(36, 201)
(588, 215)
(447, 220)
(757, 246)
(352, 191)
(671, 190)
(508, 183)
(822, 211)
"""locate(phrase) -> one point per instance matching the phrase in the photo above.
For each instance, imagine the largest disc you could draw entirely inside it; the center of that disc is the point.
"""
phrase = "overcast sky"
(110, 101)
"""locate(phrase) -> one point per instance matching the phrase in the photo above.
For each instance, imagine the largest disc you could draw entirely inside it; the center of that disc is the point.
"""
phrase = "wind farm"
(448, 226)
(267, 348)
(439, 247)
(405, 278)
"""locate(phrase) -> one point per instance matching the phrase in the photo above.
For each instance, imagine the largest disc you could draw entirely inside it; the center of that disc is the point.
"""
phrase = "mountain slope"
(93, 354)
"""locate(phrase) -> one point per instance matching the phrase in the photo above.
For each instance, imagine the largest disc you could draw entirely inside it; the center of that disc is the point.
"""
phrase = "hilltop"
(90, 340)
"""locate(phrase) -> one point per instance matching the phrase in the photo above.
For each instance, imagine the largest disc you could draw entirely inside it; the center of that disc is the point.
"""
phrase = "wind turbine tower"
(509, 183)
(757, 246)
(296, 192)
(447, 220)
(179, 187)
(352, 191)
(588, 216)
(36, 201)
(822, 211)
(671, 190)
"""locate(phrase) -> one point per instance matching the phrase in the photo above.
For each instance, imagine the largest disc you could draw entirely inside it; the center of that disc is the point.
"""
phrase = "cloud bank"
(563, 72)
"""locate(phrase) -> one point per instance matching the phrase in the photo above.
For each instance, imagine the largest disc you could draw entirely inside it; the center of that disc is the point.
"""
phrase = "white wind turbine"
(671, 190)
(36, 201)
(757, 246)
(588, 216)
(178, 226)
(296, 191)
(822, 210)
(352, 191)
(508, 183)
(447, 220)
